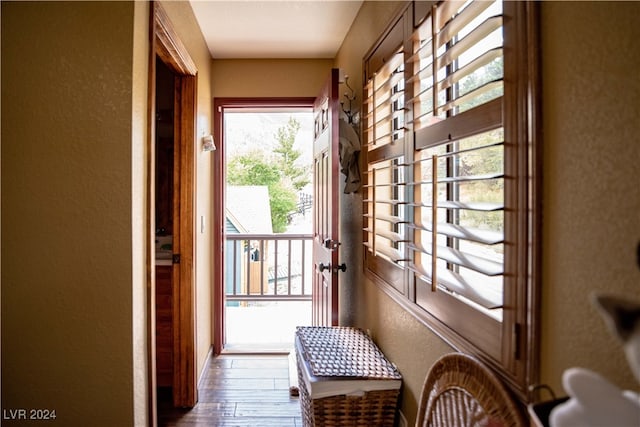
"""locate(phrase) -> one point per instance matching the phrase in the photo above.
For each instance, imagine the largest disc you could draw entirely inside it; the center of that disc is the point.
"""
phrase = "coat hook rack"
(350, 96)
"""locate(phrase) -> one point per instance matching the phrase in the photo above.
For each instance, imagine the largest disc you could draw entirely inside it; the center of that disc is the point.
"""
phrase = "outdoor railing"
(268, 267)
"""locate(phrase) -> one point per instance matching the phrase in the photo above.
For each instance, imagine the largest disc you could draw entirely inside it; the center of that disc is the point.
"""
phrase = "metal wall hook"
(350, 97)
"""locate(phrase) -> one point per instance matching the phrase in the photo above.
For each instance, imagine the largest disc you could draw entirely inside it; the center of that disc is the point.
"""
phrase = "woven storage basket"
(460, 391)
(344, 379)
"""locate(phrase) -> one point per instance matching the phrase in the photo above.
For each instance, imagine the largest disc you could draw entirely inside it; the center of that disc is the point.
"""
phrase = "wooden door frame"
(166, 45)
(219, 167)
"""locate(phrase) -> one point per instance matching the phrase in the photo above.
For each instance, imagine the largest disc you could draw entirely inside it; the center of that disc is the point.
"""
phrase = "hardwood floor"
(239, 390)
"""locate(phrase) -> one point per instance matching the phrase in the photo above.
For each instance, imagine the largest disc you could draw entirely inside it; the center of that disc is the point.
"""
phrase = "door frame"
(219, 167)
(166, 45)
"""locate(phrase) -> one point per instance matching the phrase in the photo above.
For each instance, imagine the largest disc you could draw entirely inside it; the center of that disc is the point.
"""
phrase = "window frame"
(513, 351)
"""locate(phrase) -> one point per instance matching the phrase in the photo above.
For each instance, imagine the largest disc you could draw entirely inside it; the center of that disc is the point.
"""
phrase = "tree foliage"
(283, 202)
(252, 169)
(278, 170)
(286, 137)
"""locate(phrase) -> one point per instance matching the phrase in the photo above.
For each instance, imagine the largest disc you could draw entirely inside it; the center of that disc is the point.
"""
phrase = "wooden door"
(185, 386)
(325, 212)
(166, 45)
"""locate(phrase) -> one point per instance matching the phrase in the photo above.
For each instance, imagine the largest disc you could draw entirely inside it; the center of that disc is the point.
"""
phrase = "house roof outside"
(249, 209)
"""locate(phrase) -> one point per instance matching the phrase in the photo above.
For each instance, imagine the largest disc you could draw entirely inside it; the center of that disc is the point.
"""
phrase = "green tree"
(252, 169)
(492, 72)
(283, 202)
(280, 172)
(298, 176)
(255, 169)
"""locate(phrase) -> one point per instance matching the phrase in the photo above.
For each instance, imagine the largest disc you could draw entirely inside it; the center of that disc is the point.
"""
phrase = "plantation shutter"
(458, 227)
(452, 189)
(384, 201)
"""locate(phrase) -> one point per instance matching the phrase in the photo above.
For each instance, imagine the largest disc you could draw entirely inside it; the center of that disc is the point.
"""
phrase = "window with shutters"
(451, 194)
(385, 209)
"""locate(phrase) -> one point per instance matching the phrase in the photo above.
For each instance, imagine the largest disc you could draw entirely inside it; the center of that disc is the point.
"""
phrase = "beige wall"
(371, 21)
(185, 24)
(74, 153)
(269, 77)
(591, 199)
(73, 124)
(139, 223)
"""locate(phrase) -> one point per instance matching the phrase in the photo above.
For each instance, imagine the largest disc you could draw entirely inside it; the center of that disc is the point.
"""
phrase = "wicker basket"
(344, 379)
(461, 391)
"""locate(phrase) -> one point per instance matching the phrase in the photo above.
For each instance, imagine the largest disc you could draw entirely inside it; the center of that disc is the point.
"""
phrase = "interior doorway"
(172, 124)
(164, 205)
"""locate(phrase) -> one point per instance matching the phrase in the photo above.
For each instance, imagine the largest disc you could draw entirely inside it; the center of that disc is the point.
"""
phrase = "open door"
(326, 112)
(185, 387)
(167, 47)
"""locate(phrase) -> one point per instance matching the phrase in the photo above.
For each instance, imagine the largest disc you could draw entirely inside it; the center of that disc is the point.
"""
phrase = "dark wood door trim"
(166, 45)
(219, 105)
(150, 232)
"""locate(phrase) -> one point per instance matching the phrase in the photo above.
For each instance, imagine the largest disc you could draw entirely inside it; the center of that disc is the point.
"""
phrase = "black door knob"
(342, 267)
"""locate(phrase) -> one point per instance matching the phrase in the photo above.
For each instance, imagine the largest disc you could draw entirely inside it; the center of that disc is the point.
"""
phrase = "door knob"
(322, 267)
(342, 267)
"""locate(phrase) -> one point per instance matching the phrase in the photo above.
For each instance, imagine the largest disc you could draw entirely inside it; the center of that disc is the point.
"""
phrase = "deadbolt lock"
(331, 244)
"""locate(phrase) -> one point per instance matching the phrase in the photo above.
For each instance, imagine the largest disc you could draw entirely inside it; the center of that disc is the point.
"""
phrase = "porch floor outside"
(269, 326)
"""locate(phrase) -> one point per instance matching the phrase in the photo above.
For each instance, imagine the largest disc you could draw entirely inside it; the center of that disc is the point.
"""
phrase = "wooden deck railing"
(268, 267)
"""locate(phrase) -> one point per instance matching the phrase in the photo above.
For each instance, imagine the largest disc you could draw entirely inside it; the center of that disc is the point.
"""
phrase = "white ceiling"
(274, 28)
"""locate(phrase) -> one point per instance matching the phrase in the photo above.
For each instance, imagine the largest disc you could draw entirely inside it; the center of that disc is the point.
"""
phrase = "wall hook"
(350, 96)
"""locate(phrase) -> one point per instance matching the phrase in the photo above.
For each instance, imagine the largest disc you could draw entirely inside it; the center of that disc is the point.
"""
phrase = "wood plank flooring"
(239, 390)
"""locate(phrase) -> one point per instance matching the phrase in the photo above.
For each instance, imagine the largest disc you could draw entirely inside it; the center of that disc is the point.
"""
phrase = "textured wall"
(69, 313)
(185, 24)
(269, 77)
(591, 59)
(371, 21)
(139, 224)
